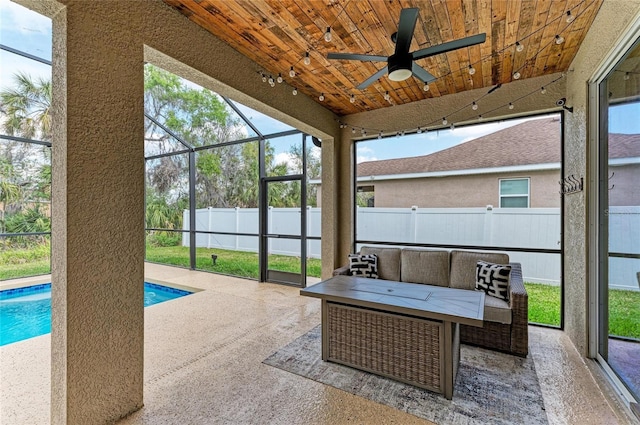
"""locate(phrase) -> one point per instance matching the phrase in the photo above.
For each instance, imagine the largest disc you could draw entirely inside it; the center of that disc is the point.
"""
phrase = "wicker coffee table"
(405, 331)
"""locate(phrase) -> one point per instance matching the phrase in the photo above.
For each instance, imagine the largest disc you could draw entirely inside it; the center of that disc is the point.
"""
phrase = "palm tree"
(26, 107)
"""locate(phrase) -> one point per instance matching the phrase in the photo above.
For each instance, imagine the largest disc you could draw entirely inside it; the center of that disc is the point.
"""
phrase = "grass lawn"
(544, 300)
(235, 263)
(32, 268)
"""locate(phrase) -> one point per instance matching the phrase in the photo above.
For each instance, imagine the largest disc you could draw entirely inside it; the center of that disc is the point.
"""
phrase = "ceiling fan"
(401, 65)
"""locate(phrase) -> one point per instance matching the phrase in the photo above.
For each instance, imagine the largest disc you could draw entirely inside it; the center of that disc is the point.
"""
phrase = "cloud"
(20, 19)
(284, 157)
(365, 154)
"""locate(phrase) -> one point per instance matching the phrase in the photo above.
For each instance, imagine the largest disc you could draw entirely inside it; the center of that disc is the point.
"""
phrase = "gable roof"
(529, 143)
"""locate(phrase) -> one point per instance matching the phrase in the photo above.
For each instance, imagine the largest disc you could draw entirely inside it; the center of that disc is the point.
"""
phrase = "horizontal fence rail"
(530, 236)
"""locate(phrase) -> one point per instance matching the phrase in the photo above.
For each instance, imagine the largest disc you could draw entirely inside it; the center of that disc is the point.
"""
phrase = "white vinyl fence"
(515, 227)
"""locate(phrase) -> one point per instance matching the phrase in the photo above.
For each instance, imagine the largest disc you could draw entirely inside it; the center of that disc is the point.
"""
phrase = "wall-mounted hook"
(571, 184)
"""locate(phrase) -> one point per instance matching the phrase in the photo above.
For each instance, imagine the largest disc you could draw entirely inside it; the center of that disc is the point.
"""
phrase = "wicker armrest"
(519, 312)
(518, 292)
(341, 271)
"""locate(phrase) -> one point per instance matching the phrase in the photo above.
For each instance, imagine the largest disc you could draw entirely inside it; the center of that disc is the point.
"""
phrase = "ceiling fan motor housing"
(399, 66)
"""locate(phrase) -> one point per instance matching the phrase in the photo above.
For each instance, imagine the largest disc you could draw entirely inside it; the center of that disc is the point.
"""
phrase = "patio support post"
(98, 217)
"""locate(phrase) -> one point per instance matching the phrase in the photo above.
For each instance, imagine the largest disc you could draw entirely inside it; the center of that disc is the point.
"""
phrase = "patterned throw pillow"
(493, 279)
(363, 265)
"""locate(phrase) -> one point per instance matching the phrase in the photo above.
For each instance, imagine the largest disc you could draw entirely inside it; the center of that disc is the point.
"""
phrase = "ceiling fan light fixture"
(399, 74)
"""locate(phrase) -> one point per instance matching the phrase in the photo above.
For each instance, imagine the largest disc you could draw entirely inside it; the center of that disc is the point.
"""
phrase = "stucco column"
(98, 218)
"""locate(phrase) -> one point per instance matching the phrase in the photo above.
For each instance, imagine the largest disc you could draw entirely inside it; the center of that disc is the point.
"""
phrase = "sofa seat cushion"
(388, 261)
(426, 266)
(463, 267)
(496, 310)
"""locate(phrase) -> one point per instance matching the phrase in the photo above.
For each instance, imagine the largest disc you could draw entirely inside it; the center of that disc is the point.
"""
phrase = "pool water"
(26, 312)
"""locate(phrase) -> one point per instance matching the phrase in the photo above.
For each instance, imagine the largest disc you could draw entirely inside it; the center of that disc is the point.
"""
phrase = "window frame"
(528, 194)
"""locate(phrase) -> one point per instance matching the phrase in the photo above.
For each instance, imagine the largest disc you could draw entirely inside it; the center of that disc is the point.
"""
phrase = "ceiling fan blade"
(408, 19)
(422, 74)
(357, 57)
(451, 45)
(366, 83)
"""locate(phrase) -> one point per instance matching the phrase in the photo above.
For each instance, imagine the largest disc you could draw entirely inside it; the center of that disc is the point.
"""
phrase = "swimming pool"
(26, 312)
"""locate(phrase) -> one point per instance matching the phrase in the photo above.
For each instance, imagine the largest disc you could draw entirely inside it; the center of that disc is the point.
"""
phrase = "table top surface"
(435, 302)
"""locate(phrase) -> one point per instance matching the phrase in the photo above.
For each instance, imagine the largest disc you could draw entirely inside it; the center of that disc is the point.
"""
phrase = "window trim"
(528, 194)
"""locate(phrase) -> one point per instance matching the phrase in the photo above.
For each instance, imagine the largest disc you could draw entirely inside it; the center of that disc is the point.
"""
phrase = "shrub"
(164, 239)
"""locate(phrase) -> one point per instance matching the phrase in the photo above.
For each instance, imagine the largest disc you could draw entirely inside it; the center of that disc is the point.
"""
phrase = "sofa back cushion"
(463, 266)
(430, 267)
(388, 261)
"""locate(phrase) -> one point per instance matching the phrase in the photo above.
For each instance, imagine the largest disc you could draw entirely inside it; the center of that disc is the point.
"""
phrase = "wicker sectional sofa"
(505, 323)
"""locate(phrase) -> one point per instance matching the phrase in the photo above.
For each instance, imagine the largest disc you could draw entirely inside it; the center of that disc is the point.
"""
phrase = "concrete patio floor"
(203, 365)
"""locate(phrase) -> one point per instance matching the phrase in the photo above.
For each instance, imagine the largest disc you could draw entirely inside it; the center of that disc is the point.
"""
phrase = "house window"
(514, 193)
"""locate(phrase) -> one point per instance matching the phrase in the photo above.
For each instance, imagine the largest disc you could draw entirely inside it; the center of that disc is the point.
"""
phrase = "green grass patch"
(32, 268)
(235, 263)
(544, 303)
(624, 314)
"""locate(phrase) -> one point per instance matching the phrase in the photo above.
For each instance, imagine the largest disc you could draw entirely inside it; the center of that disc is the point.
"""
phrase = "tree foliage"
(180, 117)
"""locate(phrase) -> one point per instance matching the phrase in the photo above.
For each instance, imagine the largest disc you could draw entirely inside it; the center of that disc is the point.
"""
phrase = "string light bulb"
(559, 39)
(627, 76)
(353, 130)
(292, 73)
(511, 105)
(452, 127)
(321, 98)
(543, 90)
(516, 75)
(353, 99)
(444, 121)
(419, 131)
(295, 91)
(380, 135)
(264, 78)
(425, 87)
(474, 106)
(279, 79)
(307, 59)
(570, 17)
(519, 47)
(327, 35)
(472, 70)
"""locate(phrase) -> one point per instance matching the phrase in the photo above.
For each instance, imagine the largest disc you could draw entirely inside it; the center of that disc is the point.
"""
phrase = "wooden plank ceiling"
(276, 34)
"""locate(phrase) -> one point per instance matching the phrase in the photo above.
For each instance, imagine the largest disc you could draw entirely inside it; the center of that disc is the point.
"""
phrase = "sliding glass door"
(619, 230)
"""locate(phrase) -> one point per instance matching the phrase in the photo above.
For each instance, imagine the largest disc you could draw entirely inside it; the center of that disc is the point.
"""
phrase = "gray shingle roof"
(532, 142)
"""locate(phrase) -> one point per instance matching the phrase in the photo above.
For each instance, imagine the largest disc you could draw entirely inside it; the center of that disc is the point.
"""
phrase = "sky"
(25, 30)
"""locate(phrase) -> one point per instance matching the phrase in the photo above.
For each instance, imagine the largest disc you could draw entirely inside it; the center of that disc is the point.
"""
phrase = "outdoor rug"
(491, 387)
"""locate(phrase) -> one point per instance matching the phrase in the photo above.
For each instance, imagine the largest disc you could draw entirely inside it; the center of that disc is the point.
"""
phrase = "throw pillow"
(363, 265)
(493, 279)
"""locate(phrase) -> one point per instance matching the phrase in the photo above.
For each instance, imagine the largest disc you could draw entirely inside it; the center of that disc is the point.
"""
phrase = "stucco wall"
(612, 20)
(463, 191)
(98, 184)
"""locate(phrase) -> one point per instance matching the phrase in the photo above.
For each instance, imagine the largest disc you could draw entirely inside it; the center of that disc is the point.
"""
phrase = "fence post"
(209, 226)
(269, 227)
(488, 226)
(185, 226)
(413, 223)
(237, 227)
